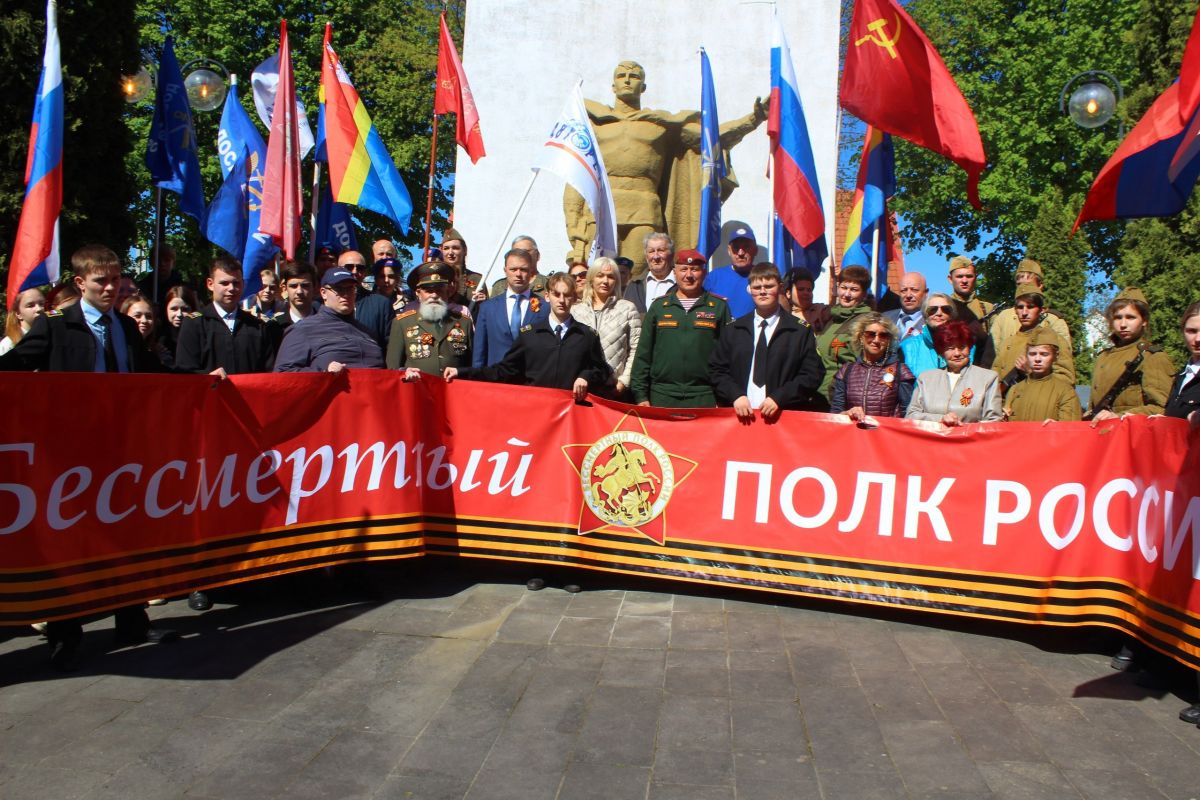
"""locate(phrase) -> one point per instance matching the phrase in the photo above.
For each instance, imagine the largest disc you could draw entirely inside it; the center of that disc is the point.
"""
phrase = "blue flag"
(712, 160)
(171, 149)
(226, 221)
(788, 254)
(867, 222)
(243, 156)
(335, 228)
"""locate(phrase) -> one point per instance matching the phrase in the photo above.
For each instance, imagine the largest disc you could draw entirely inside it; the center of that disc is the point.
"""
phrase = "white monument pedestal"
(522, 59)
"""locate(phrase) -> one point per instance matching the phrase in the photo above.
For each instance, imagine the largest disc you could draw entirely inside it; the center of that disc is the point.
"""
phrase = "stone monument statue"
(653, 162)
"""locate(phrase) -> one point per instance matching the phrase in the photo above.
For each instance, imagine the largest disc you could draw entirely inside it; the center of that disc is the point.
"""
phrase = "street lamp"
(1088, 99)
(137, 88)
(205, 84)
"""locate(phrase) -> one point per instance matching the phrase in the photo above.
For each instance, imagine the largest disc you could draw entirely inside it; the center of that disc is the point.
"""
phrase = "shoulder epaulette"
(719, 297)
(54, 313)
(404, 314)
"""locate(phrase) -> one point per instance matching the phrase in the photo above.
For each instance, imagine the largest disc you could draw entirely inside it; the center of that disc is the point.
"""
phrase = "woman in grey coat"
(961, 392)
(615, 320)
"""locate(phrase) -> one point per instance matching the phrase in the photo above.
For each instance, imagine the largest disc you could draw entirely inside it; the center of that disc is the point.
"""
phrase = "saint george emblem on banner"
(627, 479)
(878, 35)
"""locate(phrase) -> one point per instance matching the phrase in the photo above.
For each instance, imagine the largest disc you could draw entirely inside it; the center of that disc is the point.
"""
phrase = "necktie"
(110, 352)
(514, 322)
(760, 356)
(558, 331)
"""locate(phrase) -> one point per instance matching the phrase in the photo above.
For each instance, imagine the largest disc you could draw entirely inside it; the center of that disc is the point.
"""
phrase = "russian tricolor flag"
(35, 253)
(797, 195)
(1153, 172)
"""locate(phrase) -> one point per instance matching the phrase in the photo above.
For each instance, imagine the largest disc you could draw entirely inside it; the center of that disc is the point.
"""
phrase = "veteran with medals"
(433, 335)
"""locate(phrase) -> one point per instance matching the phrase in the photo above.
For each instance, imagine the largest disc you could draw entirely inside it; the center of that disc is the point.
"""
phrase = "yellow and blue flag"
(876, 183)
(361, 173)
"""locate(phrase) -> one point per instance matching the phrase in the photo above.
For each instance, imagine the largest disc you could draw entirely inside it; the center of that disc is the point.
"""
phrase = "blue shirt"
(91, 316)
(727, 283)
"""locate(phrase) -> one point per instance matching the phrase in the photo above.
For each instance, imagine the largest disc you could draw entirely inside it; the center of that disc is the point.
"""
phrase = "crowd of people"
(679, 335)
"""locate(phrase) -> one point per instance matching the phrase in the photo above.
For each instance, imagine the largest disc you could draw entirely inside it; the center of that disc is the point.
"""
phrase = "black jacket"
(205, 343)
(63, 342)
(1184, 399)
(794, 370)
(540, 358)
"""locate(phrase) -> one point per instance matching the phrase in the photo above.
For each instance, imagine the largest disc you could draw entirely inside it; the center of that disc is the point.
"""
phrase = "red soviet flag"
(895, 80)
(453, 95)
(280, 215)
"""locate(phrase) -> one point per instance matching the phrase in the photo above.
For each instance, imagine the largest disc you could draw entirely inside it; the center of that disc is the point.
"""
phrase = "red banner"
(118, 488)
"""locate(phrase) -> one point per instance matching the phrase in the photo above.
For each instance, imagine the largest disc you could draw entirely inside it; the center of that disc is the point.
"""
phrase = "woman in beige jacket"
(615, 320)
(959, 393)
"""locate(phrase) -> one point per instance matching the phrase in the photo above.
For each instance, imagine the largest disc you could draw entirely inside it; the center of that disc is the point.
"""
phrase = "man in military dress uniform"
(432, 336)
(679, 332)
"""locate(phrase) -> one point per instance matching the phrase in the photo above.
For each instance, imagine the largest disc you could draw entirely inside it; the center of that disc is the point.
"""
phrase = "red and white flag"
(281, 209)
(453, 95)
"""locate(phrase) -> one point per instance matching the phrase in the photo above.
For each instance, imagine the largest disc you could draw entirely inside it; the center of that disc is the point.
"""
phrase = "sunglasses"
(939, 309)
(873, 335)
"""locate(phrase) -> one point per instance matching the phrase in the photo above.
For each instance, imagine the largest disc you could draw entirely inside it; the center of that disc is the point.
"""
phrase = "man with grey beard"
(434, 335)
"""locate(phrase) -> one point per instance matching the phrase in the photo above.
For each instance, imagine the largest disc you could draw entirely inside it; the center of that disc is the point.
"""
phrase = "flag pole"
(312, 217)
(432, 175)
(875, 257)
(158, 235)
(483, 282)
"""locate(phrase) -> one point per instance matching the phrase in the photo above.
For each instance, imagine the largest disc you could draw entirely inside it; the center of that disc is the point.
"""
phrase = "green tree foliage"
(97, 191)
(1061, 257)
(389, 48)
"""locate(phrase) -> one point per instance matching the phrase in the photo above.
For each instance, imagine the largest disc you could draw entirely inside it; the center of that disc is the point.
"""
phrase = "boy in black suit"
(89, 337)
(557, 352)
(766, 360)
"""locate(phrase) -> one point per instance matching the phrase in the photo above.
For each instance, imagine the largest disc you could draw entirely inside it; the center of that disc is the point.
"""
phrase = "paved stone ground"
(459, 683)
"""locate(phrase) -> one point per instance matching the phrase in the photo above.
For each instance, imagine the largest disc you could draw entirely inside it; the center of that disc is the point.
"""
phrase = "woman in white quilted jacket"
(615, 320)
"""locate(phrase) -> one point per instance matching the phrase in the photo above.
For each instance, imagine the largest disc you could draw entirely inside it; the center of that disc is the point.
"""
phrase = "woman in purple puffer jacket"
(877, 384)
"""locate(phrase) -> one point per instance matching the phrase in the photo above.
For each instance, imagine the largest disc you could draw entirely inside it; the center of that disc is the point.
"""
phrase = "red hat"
(690, 257)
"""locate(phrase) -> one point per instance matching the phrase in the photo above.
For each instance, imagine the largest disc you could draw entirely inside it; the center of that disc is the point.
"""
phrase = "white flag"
(572, 153)
(265, 80)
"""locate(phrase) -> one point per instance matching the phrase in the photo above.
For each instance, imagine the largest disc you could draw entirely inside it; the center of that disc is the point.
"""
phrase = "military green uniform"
(1012, 348)
(1040, 399)
(429, 346)
(670, 368)
(836, 345)
(470, 282)
(1148, 393)
(537, 285)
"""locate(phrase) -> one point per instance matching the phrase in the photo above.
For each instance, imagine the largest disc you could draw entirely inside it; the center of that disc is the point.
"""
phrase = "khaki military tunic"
(1145, 395)
(429, 346)
(1040, 399)
(1012, 348)
(1005, 324)
(536, 286)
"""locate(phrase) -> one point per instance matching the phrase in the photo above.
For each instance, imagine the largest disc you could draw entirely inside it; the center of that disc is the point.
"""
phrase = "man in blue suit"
(502, 317)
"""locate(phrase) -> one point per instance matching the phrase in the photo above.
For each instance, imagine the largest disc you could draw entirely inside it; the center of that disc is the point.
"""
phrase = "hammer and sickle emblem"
(879, 36)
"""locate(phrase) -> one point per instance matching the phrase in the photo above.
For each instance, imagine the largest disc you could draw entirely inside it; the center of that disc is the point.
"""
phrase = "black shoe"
(1123, 660)
(198, 601)
(148, 636)
(1191, 714)
(535, 584)
(572, 588)
(64, 655)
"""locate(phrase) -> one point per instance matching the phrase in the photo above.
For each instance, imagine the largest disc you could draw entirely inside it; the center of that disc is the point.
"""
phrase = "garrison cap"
(1132, 293)
(1044, 336)
(1029, 265)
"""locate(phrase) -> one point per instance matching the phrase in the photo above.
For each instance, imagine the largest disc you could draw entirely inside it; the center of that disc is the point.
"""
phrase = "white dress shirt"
(757, 395)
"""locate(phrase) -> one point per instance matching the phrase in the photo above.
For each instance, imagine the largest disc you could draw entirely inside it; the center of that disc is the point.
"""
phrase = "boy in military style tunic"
(1011, 363)
(432, 336)
(1042, 397)
(679, 331)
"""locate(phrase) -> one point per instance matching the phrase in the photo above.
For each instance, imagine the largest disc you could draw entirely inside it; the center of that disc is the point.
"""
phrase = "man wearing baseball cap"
(331, 339)
(731, 282)
(679, 331)
(434, 335)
